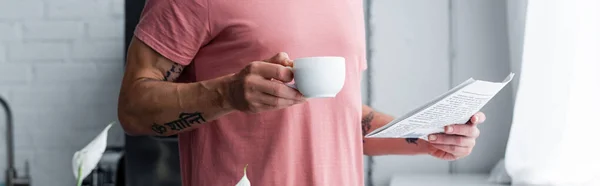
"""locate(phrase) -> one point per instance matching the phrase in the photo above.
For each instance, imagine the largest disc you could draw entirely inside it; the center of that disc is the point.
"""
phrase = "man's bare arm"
(372, 120)
(151, 104)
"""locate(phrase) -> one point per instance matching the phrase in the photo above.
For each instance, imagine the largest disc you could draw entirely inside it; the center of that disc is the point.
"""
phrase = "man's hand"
(457, 141)
(258, 87)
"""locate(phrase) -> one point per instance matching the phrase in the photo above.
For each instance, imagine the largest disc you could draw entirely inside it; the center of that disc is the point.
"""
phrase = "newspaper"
(453, 107)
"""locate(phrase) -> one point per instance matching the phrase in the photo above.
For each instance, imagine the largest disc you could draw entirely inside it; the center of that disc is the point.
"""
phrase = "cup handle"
(291, 85)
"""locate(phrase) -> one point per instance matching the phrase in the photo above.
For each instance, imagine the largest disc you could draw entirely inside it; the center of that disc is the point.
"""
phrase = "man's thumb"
(281, 58)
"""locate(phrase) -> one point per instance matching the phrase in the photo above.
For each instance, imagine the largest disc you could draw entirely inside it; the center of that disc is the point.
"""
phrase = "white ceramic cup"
(319, 77)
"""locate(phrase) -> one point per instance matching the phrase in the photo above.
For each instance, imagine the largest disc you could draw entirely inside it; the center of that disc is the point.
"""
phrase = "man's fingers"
(280, 58)
(445, 139)
(271, 71)
(477, 118)
(441, 154)
(457, 151)
(259, 101)
(463, 130)
(274, 102)
(278, 89)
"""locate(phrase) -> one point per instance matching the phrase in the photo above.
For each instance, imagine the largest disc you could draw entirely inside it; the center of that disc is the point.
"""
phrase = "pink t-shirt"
(317, 143)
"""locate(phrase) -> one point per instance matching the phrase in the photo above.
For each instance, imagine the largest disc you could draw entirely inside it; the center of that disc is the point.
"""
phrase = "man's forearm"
(154, 107)
(372, 120)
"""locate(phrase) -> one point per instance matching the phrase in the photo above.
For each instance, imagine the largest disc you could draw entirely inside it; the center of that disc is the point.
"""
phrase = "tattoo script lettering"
(159, 129)
(412, 140)
(172, 73)
(185, 121)
(366, 123)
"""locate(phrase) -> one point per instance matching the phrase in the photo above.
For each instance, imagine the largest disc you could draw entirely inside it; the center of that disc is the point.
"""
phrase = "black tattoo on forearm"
(366, 123)
(159, 129)
(173, 73)
(185, 121)
(412, 140)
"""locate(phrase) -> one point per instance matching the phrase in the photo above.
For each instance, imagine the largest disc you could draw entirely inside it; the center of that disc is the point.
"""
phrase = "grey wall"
(481, 51)
(516, 11)
(409, 66)
(422, 48)
(61, 63)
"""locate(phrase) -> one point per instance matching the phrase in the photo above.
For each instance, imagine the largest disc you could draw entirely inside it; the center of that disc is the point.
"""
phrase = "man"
(212, 72)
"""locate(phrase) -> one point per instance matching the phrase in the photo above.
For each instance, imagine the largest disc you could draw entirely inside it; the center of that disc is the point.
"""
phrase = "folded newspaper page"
(453, 107)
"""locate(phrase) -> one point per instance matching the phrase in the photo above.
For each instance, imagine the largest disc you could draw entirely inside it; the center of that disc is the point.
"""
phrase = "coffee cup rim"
(320, 57)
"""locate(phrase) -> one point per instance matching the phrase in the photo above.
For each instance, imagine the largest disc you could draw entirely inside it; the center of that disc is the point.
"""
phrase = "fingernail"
(432, 137)
(449, 129)
(475, 119)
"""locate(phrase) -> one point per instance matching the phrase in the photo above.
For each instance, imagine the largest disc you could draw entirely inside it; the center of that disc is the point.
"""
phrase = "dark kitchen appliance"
(149, 161)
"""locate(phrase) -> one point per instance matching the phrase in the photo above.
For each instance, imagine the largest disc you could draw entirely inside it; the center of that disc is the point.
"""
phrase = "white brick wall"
(117, 8)
(15, 74)
(105, 29)
(100, 49)
(78, 9)
(21, 9)
(38, 51)
(61, 62)
(52, 30)
(8, 31)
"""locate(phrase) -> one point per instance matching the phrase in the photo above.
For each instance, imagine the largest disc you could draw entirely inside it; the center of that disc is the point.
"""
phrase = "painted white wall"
(423, 48)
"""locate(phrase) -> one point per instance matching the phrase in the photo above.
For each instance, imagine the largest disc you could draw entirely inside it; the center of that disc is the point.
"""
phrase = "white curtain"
(554, 136)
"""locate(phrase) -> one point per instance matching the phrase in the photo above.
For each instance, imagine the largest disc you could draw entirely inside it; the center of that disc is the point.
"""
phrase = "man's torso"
(315, 143)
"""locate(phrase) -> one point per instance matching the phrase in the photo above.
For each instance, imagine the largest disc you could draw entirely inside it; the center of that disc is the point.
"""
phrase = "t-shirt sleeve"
(175, 29)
